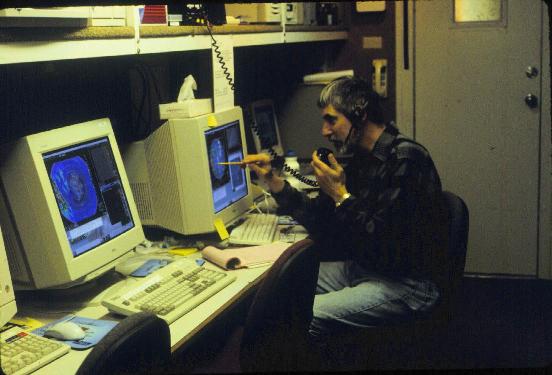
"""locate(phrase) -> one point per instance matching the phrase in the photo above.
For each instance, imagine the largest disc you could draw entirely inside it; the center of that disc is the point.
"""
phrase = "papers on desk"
(245, 257)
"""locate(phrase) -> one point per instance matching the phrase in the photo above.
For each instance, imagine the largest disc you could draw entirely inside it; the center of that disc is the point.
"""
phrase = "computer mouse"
(65, 331)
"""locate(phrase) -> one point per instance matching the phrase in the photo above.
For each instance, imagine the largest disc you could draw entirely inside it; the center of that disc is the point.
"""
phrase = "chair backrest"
(277, 323)
(457, 242)
(139, 344)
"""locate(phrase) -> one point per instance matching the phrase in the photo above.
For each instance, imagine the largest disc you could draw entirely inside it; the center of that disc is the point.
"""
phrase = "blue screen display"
(228, 182)
(89, 194)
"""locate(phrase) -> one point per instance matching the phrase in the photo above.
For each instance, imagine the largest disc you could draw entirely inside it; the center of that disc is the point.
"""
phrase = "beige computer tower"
(8, 307)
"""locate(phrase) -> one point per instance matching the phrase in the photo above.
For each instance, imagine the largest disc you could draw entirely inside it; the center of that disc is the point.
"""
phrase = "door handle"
(531, 100)
(531, 72)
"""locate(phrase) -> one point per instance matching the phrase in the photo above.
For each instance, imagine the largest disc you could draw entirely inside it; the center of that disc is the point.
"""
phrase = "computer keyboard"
(258, 229)
(22, 352)
(169, 292)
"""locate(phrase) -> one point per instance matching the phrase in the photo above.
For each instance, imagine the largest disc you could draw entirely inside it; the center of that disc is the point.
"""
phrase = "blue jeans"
(348, 295)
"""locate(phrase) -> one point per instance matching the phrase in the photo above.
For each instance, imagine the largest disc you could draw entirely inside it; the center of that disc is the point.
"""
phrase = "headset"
(358, 114)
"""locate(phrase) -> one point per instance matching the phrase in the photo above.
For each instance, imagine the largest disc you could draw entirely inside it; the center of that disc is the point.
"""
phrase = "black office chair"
(274, 335)
(139, 344)
(276, 329)
(411, 344)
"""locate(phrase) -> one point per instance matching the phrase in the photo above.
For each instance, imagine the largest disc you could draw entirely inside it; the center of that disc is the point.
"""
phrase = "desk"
(181, 330)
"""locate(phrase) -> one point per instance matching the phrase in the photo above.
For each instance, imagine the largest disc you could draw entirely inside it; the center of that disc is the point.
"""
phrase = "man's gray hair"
(353, 97)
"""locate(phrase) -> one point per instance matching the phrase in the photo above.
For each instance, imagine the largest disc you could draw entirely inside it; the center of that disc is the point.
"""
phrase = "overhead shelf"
(183, 38)
(20, 45)
(314, 36)
(24, 44)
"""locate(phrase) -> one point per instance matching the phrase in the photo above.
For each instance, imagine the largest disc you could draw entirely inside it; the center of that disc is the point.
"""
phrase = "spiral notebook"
(245, 257)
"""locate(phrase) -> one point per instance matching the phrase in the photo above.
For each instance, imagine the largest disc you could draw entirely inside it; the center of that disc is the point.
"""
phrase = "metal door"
(477, 86)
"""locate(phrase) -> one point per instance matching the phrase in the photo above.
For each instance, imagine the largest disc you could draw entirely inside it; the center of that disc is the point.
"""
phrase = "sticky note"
(212, 121)
(25, 323)
(221, 229)
(183, 251)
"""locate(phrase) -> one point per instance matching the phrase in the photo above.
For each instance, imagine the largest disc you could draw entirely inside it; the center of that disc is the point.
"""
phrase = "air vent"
(142, 196)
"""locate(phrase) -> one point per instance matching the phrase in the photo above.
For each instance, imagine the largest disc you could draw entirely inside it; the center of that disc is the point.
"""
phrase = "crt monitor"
(265, 127)
(8, 307)
(190, 189)
(66, 208)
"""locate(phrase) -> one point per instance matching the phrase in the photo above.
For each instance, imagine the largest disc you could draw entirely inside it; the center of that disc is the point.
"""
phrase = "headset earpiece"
(358, 116)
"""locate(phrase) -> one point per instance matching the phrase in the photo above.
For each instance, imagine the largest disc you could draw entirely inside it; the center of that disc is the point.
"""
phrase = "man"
(371, 215)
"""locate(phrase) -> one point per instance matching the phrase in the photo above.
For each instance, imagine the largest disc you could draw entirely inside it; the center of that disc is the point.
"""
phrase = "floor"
(499, 323)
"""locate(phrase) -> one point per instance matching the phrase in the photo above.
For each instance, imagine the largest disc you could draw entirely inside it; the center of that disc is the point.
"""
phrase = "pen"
(230, 163)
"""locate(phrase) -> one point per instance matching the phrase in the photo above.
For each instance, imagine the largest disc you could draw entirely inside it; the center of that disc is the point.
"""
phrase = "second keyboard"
(258, 229)
(169, 292)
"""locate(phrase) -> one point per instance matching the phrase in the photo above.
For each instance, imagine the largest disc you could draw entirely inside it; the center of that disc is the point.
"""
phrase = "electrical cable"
(139, 131)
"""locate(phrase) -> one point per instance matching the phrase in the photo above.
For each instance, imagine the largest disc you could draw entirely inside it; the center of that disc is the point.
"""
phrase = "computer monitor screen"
(66, 206)
(265, 126)
(228, 182)
(89, 194)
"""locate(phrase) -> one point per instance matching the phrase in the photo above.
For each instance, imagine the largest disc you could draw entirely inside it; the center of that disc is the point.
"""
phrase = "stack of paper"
(245, 257)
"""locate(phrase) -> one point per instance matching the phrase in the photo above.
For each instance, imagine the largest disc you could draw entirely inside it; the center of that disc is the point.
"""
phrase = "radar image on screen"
(224, 143)
(217, 154)
(74, 190)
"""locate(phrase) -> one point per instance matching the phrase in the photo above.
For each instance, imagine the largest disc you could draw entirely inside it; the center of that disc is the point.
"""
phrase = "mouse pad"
(95, 330)
(148, 267)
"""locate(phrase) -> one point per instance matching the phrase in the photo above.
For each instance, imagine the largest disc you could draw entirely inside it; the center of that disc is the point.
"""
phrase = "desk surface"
(181, 330)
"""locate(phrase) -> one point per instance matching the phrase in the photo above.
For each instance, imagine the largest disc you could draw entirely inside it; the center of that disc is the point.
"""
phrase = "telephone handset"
(323, 153)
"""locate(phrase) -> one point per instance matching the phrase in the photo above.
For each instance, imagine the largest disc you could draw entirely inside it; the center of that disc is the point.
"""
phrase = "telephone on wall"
(379, 77)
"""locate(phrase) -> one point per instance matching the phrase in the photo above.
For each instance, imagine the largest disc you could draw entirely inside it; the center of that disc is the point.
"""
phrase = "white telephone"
(379, 77)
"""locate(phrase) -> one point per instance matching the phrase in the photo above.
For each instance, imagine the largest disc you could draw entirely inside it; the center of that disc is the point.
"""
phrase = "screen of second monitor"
(89, 194)
(266, 125)
(228, 182)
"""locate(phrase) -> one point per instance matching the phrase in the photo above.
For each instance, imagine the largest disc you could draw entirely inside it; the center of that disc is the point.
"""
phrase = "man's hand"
(330, 178)
(260, 164)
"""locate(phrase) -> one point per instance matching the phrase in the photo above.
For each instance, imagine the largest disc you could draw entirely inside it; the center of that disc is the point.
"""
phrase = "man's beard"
(350, 143)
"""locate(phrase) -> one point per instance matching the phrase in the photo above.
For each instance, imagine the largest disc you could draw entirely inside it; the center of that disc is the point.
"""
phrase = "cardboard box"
(185, 109)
